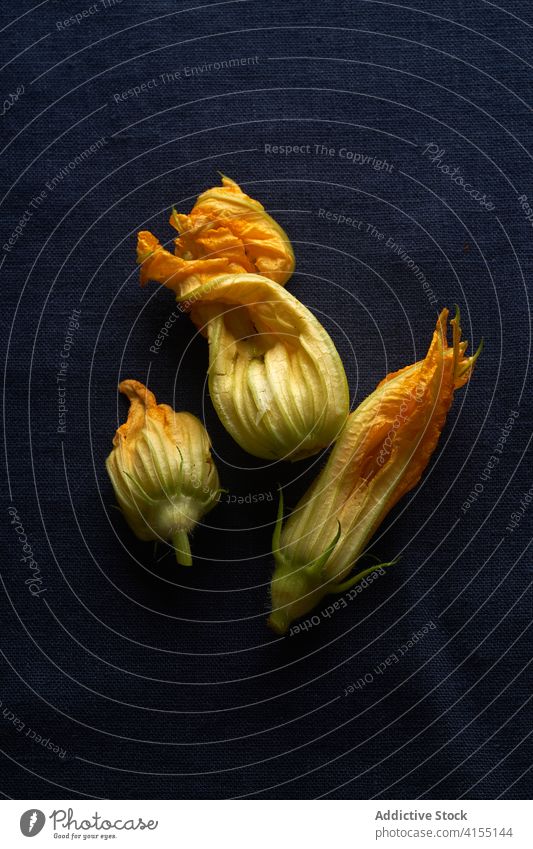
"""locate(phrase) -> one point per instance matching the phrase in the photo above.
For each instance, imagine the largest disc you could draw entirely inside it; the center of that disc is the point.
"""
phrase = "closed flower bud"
(162, 470)
(227, 232)
(380, 455)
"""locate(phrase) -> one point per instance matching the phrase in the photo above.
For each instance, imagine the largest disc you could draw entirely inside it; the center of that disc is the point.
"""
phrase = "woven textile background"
(124, 675)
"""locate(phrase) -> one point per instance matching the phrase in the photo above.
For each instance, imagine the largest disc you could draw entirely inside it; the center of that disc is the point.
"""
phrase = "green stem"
(180, 541)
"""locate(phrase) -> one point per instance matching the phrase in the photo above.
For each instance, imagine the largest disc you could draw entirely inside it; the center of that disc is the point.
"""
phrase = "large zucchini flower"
(275, 377)
(231, 232)
(162, 471)
(381, 455)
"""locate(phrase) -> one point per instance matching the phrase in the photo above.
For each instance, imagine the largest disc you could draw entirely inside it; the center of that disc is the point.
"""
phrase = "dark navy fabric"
(124, 675)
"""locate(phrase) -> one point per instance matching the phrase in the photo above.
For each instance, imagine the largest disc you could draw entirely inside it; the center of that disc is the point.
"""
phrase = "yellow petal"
(275, 377)
(177, 274)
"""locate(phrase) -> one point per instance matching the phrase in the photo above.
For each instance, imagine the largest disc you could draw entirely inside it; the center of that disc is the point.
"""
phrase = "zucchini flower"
(381, 455)
(275, 377)
(228, 232)
(162, 470)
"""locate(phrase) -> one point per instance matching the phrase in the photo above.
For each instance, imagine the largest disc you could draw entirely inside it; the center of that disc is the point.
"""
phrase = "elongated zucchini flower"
(231, 232)
(162, 471)
(380, 455)
(275, 377)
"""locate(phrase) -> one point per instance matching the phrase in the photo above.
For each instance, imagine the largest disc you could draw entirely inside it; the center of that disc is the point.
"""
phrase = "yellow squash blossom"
(162, 470)
(380, 456)
(227, 225)
(275, 377)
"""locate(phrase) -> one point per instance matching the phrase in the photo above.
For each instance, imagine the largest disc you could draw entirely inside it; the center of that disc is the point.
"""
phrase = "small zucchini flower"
(275, 377)
(381, 455)
(228, 232)
(162, 471)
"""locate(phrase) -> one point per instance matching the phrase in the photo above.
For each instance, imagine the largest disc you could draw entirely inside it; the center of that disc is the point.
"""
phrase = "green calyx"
(296, 590)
